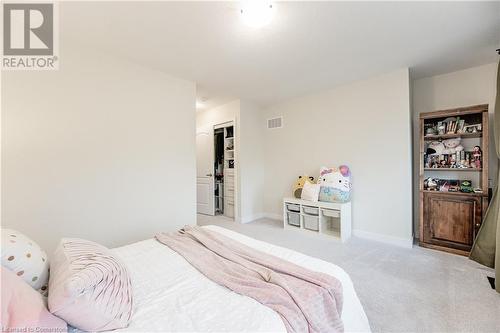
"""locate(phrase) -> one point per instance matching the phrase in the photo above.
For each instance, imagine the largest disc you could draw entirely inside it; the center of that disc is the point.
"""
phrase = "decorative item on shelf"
(444, 185)
(454, 186)
(430, 184)
(449, 146)
(335, 184)
(453, 161)
(441, 128)
(299, 185)
(476, 154)
(466, 186)
(430, 129)
(473, 128)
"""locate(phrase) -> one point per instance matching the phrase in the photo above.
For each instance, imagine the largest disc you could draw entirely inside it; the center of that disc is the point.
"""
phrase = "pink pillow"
(89, 287)
(23, 308)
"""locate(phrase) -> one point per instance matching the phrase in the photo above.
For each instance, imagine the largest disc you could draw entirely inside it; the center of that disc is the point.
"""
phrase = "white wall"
(476, 85)
(102, 149)
(252, 164)
(365, 125)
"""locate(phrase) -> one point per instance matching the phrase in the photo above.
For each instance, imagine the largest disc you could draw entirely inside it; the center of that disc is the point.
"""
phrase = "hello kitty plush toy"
(450, 146)
(335, 184)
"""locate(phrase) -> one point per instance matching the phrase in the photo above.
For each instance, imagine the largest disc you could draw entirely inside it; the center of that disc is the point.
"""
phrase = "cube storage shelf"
(323, 218)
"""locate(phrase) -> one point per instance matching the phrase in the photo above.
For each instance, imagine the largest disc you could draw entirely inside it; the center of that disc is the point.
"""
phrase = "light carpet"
(402, 290)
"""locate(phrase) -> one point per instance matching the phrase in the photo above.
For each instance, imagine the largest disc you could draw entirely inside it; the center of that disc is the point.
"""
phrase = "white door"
(205, 171)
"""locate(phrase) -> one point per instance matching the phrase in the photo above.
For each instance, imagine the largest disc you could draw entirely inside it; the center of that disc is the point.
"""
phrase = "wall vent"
(274, 123)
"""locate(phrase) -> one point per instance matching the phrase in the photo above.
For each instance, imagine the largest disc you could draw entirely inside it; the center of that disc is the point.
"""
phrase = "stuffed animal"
(299, 185)
(335, 184)
(450, 146)
(430, 184)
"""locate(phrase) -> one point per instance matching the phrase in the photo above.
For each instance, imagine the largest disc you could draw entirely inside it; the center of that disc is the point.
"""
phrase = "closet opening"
(224, 156)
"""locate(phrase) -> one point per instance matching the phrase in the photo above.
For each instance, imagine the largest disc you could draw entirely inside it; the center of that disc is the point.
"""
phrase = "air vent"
(274, 123)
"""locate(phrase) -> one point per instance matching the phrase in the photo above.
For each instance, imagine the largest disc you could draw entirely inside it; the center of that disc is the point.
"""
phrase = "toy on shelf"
(466, 186)
(430, 184)
(335, 184)
(476, 154)
(450, 146)
(299, 185)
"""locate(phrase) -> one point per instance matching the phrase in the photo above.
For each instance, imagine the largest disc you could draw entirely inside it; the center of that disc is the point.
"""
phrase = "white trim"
(402, 242)
(251, 218)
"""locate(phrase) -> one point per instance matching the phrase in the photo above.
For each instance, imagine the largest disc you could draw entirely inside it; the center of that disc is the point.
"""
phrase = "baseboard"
(402, 242)
(273, 216)
(251, 218)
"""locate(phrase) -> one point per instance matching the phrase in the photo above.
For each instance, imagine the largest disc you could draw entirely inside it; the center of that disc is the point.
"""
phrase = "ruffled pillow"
(26, 259)
(89, 287)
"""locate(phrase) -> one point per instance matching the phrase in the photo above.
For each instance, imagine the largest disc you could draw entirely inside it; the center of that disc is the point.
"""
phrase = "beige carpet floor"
(402, 290)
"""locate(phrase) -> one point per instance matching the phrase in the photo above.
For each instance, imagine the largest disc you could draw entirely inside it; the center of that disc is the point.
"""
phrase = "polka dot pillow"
(26, 259)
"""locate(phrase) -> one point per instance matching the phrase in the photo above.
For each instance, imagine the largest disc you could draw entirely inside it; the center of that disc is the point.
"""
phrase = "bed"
(170, 295)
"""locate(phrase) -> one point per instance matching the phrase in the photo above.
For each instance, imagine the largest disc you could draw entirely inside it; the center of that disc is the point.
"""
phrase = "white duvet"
(172, 296)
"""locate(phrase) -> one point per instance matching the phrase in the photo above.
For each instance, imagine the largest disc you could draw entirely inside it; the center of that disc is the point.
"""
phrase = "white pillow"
(26, 259)
(310, 192)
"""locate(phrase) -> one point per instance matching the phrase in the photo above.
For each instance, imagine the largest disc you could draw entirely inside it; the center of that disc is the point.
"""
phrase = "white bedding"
(171, 296)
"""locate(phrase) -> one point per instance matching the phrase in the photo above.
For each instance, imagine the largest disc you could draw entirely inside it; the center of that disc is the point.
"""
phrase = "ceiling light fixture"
(257, 13)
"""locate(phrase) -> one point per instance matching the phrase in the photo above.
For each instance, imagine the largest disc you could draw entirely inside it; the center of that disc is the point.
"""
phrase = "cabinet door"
(450, 219)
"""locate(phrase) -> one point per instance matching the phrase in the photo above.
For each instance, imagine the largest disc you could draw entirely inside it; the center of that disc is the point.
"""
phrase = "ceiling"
(309, 46)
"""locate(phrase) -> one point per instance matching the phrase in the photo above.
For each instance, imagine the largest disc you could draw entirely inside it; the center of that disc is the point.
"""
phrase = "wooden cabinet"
(451, 220)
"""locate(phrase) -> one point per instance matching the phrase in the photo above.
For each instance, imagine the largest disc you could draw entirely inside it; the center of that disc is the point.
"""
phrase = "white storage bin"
(331, 213)
(310, 210)
(293, 207)
(311, 222)
(293, 219)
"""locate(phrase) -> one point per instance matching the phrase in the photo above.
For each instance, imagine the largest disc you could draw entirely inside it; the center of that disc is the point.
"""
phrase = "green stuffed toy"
(299, 185)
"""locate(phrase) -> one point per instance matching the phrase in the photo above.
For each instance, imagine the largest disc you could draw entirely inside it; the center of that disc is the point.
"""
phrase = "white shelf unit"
(329, 219)
(229, 159)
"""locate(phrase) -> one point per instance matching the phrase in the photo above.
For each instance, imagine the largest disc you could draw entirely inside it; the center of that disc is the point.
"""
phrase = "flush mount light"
(256, 13)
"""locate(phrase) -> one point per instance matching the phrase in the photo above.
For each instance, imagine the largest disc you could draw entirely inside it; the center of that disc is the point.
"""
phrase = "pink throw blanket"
(307, 301)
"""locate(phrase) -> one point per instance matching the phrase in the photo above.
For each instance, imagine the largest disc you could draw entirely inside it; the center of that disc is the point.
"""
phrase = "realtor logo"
(29, 36)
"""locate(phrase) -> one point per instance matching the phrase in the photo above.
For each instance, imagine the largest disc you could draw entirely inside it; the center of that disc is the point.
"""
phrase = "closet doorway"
(215, 183)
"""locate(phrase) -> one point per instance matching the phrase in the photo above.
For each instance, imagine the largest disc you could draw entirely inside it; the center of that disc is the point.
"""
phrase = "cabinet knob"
(478, 225)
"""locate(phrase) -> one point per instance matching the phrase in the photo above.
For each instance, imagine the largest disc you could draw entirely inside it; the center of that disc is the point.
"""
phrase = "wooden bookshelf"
(449, 221)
